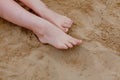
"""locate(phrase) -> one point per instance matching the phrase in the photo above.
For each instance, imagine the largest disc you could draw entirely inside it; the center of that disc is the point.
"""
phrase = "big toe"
(75, 41)
(78, 41)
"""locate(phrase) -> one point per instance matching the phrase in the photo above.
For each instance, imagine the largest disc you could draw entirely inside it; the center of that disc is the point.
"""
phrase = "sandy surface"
(97, 22)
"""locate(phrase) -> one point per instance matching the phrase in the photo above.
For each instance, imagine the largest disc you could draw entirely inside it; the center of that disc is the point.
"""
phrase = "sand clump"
(97, 22)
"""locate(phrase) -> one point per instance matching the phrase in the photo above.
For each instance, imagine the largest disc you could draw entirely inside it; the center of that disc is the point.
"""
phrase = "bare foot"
(63, 22)
(55, 36)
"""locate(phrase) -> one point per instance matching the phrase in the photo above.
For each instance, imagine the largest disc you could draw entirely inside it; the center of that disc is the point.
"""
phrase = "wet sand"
(96, 22)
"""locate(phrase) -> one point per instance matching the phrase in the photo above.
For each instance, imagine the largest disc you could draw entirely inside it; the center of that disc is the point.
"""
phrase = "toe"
(61, 46)
(69, 21)
(78, 41)
(66, 25)
(73, 42)
(69, 45)
(64, 29)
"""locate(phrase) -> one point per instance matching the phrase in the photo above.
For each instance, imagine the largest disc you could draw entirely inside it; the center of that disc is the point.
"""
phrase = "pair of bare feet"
(51, 28)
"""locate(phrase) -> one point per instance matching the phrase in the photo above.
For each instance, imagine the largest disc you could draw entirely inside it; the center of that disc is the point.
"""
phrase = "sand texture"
(97, 22)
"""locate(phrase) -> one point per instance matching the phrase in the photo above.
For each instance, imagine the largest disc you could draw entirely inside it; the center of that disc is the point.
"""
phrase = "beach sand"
(96, 22)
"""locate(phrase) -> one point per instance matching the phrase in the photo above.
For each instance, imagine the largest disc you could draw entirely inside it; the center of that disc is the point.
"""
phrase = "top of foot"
(63, 22)
(56, 37)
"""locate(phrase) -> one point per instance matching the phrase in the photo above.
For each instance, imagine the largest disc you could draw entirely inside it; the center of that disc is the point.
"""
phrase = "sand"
(96, 22)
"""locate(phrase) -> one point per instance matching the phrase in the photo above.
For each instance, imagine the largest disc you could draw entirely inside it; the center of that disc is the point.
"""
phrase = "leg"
(46, 32)
(39, 7)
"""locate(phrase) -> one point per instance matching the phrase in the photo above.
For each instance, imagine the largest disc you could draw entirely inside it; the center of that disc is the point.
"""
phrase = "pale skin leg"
(42, 10)
(45, 31)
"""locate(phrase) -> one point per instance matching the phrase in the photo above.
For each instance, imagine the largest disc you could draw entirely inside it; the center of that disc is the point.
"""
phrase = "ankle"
(39, 29)
(38, 32)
